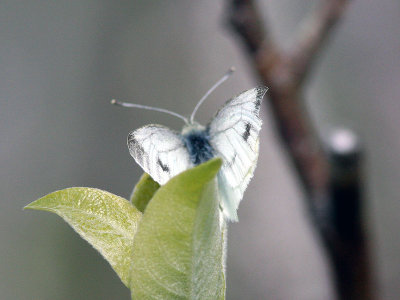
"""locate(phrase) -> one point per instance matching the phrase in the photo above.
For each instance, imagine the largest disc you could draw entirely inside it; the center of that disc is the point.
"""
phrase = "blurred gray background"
(62, 61)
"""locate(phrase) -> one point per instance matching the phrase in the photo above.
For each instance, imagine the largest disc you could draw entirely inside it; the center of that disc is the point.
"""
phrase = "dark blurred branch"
(347, 244)
(335, 208)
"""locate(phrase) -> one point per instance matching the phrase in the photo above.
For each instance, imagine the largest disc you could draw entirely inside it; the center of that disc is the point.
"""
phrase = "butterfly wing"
(159, 151)
(234, 135)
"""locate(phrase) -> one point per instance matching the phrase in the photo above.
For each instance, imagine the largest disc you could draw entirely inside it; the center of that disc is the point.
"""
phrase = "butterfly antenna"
(217, 84)
(133, 105)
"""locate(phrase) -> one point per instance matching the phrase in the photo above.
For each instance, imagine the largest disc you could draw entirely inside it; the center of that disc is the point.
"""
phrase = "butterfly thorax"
(197, 142)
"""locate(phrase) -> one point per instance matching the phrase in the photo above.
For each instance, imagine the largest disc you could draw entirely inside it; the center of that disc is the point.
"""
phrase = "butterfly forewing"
(234, 135)
(159, 151)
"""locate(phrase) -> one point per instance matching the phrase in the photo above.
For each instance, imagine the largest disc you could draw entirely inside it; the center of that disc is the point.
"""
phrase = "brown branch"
(248, 24)
(315, 30)
(290, 116)
(335, 210)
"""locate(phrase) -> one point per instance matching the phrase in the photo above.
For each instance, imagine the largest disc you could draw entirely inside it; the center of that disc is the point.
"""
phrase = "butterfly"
(233, 135)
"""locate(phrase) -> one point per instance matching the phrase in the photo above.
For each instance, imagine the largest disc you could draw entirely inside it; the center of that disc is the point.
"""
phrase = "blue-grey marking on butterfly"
(233, 135)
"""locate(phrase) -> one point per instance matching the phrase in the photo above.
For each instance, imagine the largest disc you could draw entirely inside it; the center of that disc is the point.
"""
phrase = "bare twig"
(315, 30)
(248, 23)
(335, 209)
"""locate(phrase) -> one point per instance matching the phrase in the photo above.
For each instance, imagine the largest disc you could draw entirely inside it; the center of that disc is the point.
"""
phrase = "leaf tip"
(30, 206)
(213, 164)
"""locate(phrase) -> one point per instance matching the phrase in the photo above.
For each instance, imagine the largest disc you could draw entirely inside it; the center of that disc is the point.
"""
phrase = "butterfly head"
(192, 127)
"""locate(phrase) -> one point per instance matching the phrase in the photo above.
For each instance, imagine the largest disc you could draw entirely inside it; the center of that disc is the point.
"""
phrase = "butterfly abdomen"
(198, 146)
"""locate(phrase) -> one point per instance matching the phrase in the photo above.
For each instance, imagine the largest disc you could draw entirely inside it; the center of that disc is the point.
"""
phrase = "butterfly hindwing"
(159, 151)
(234, 136)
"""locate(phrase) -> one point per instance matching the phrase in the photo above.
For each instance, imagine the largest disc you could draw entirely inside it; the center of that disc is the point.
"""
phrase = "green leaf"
(106, 221)
(143, 192)
(178, 248)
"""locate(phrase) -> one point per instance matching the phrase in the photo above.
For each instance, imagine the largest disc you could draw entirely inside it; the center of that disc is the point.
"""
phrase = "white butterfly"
(233, 135)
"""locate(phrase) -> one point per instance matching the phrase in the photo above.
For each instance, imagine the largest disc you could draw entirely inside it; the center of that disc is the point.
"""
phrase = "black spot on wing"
(135, 147)
(257, 105)
(246, 133)
(165, 168)
(230, 163)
